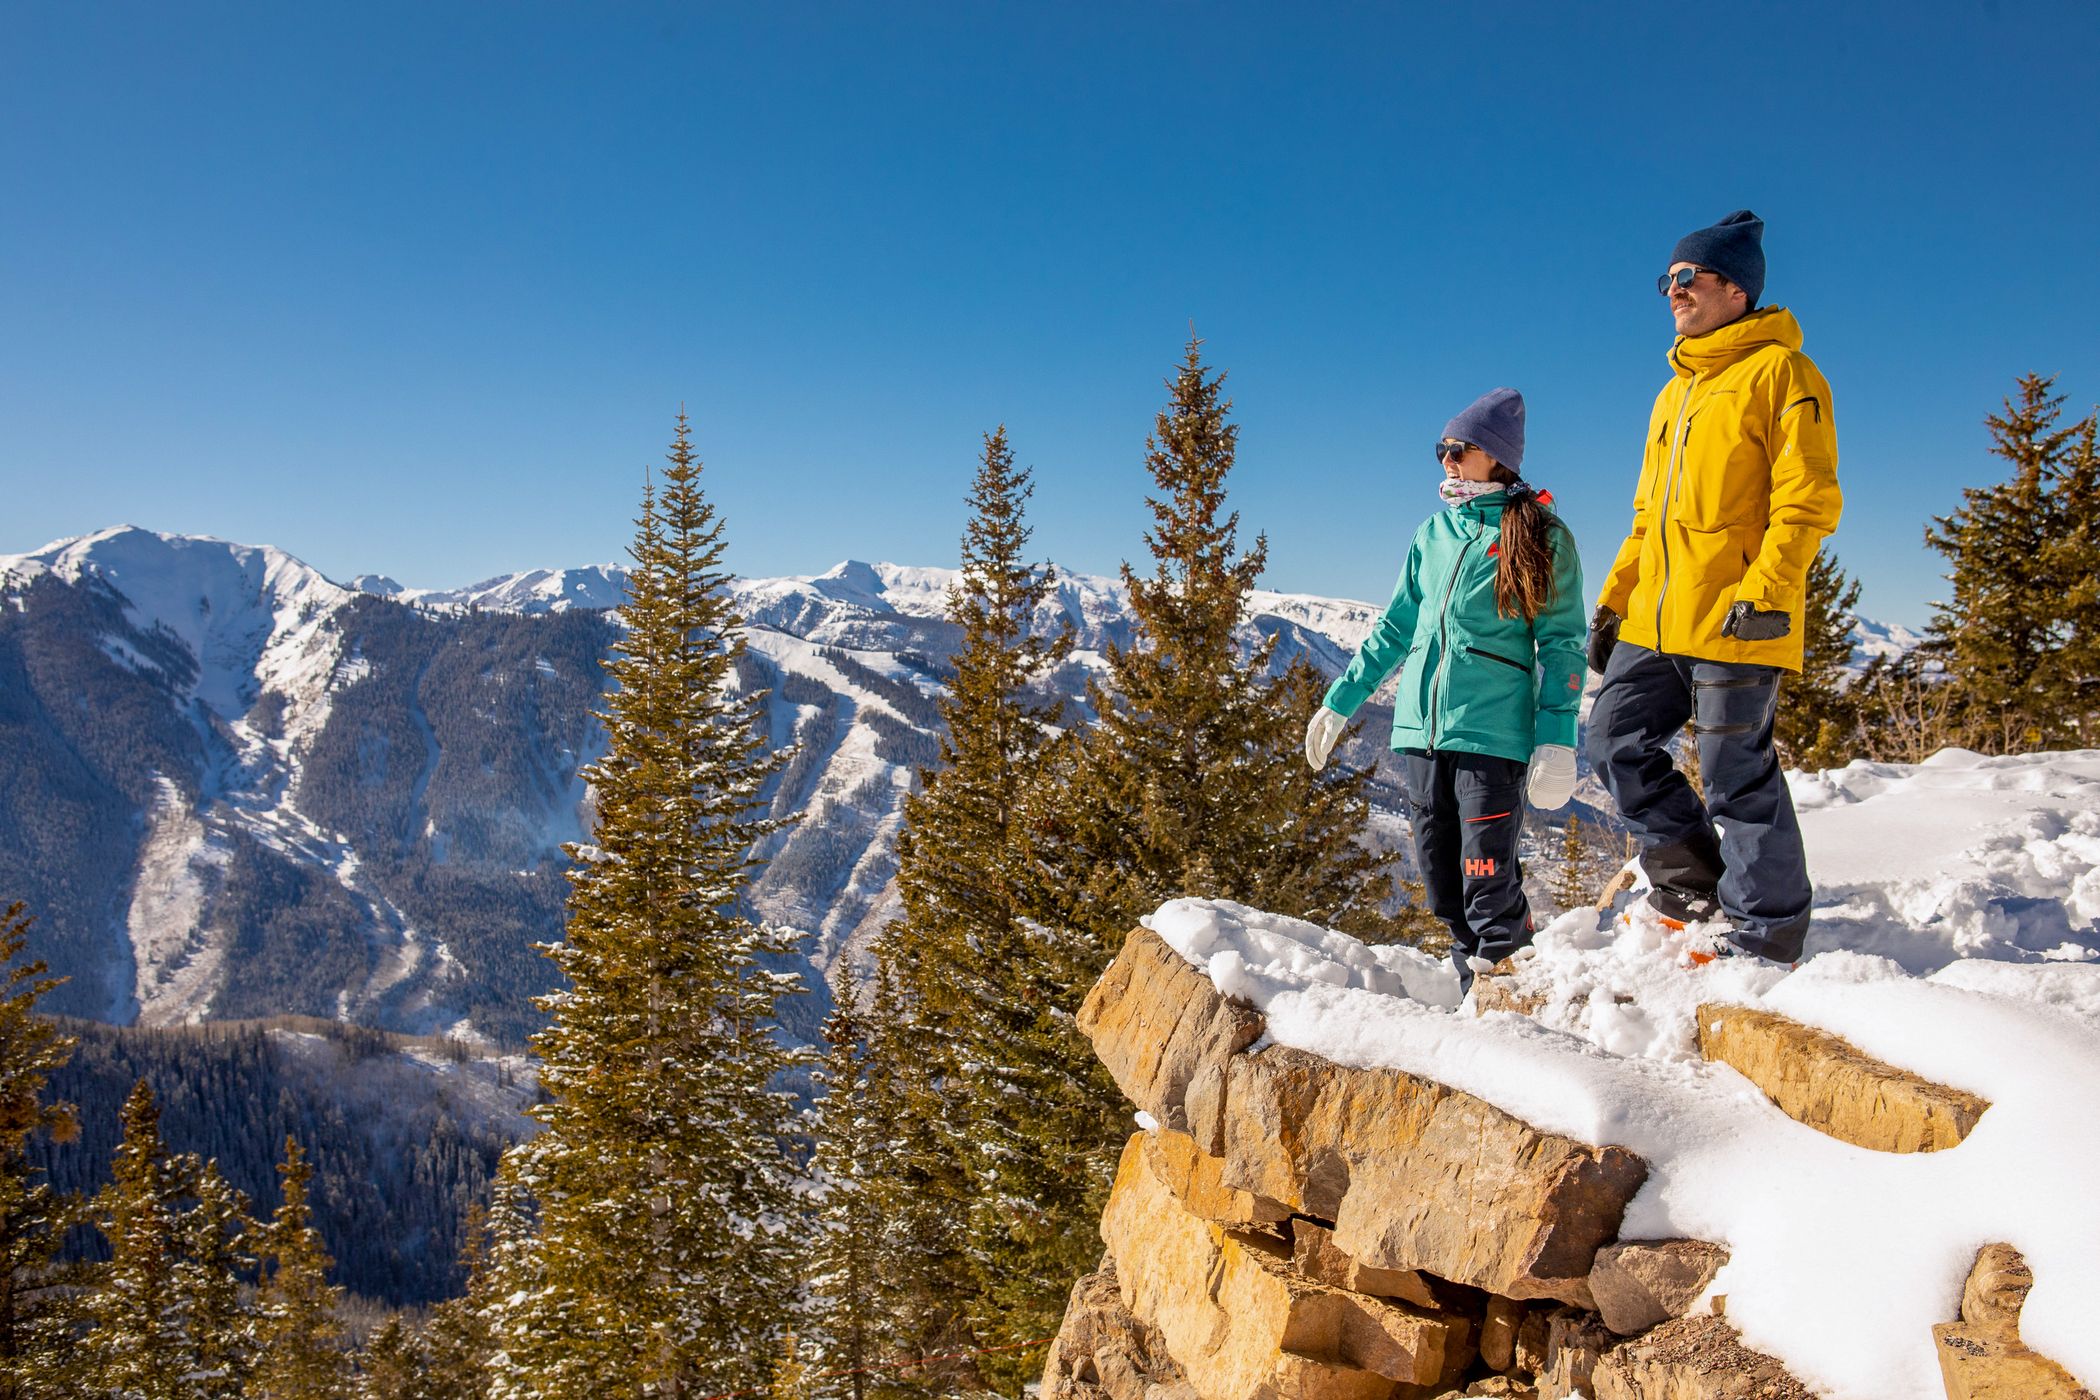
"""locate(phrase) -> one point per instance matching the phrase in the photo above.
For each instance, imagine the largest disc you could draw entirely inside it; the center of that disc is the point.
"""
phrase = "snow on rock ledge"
(1319, 1072)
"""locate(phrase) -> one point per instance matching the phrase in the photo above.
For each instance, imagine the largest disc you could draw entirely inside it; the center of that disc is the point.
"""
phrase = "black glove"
(1746, 623)
(1604, 635)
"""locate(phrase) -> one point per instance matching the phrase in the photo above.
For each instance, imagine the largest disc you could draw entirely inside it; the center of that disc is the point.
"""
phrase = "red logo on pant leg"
(1479, 869)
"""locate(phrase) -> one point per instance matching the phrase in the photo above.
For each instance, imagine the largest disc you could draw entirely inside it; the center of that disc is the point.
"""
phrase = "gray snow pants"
(1755, 864)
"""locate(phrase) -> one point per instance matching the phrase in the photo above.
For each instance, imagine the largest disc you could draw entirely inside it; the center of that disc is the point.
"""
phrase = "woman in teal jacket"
(1486, 627)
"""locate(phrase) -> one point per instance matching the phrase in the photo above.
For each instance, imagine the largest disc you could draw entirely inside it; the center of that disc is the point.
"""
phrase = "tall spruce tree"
(300, 1342)
(926, 1298)
(1194, 781)
(395, 1365)
(1817, 718)
(2073, 561)
(141, 1337)
(457, 1343)
(851, 1266)
(664, 1179)
(2000, 633)
(216, 1236)
(964, 954)
(34, 1299)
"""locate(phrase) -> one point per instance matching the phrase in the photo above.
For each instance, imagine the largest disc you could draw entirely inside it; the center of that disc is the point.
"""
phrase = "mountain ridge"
(294, 796)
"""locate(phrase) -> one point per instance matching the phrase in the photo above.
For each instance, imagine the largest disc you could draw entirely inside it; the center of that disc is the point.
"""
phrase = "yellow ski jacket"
(1738, 488)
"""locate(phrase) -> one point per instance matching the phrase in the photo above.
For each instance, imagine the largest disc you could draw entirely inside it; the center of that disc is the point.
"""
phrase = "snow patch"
(175, 959)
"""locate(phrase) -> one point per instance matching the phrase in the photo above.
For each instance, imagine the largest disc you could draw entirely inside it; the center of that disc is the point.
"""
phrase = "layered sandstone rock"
(1414, 1175)
(1242, 1325)
(1102, 1352)
(1997, 1288)
(1497, 990)
(1301, 1229)
(1197, 1180)
(1499, 1326)
(1693, 1358)
(1315, 1255)
(1984, 1363)
(1826, 1083)
(1155, 1022)
(1575, 1343)
(1982, 1356)
(1642, 1282)
(1418, 1176)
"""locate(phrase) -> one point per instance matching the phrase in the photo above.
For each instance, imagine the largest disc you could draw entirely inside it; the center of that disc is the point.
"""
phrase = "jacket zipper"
(1662, 522)
(1443, 635)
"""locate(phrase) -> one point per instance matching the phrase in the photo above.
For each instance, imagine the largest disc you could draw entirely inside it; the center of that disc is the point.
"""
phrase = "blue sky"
(417, 289)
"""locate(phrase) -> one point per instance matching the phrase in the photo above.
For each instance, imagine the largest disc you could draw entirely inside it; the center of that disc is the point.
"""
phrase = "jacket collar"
(1489, 507)
(1773, 325)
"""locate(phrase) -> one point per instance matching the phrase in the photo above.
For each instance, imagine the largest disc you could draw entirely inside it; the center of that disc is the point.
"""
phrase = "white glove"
(1551, 781)
(1326, 727)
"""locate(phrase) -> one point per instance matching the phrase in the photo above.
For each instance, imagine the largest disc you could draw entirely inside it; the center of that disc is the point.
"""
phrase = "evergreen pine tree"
(299, 1340)
(1572, 882)
(924, 1301)
(395, 1366)
(215, 1235)
(1415, 924)
(2000, 633)
(458, 1342)
(663, 1181)
(962, 955)
(139, 1340)
(34, 1311)
(1817, 715)
(2073, 564)
(793, 1377)
(1194, 780)
(851, 1266)
(509, 1279)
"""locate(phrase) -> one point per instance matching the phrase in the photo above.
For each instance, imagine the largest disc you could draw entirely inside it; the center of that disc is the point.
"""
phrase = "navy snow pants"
(1466, 810)
(1755, 863)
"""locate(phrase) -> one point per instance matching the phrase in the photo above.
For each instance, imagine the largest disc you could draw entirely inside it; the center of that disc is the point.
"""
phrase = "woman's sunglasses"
(1682, 277)
(1452, 449)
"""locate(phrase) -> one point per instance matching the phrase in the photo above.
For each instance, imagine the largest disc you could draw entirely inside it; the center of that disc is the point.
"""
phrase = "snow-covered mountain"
(237, 788)
(240, 788)
(1879, 639)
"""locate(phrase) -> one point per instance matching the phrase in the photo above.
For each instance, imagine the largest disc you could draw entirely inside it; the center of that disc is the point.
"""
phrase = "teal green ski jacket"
(1471, 679)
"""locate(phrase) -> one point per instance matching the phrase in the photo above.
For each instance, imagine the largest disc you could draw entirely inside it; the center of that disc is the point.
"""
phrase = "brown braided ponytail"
(1524, 582)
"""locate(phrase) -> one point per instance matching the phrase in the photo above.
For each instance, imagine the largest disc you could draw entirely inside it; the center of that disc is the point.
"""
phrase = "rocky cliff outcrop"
(1289, 1228)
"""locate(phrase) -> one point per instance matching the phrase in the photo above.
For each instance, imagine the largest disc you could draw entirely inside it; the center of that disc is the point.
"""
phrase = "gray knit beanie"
(1494, 422)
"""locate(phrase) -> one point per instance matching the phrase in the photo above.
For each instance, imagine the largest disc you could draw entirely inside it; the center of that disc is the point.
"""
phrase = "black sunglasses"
(1683, 277)
(1452, 448)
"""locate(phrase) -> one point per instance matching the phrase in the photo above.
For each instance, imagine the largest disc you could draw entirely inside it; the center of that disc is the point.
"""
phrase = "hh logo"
(1479, 869)
(1575, 683)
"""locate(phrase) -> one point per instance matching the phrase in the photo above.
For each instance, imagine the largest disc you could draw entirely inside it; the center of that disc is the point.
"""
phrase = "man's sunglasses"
(1683, 277)
(1452, 449)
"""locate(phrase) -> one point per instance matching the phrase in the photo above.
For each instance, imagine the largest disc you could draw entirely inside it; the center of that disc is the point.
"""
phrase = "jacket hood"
(1774, 325)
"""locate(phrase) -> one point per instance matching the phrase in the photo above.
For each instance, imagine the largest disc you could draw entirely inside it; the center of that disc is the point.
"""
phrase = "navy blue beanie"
(1495, 423)
(1735, 248)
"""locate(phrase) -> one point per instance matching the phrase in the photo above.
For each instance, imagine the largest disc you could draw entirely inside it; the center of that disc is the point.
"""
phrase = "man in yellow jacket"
(1701, 613)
